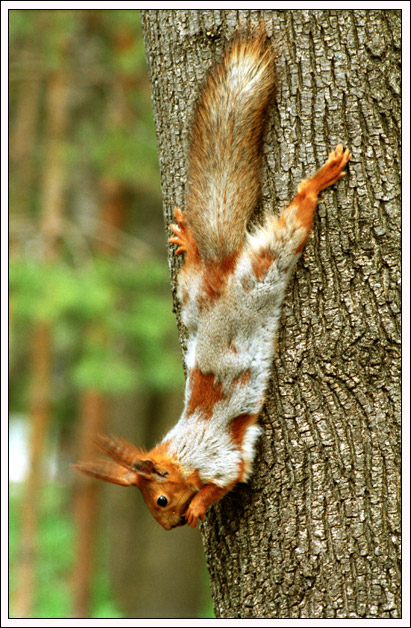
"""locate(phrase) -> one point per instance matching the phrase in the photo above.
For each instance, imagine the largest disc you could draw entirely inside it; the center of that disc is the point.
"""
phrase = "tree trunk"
(93, 420)
(23, 136)
(24, 596)
(93, 417)
(316, 532)
(152, 577)
(52, 208)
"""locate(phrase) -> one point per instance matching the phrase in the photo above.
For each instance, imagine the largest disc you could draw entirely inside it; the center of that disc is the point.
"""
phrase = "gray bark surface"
(316, 532)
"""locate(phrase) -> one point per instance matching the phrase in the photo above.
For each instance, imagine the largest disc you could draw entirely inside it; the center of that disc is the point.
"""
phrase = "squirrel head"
(165, 490)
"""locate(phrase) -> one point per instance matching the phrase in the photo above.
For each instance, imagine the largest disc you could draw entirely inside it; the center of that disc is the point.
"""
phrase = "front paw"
(193, 513)
(180, 232)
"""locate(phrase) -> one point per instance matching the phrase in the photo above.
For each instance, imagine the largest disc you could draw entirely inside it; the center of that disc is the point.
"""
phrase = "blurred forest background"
(93, 342)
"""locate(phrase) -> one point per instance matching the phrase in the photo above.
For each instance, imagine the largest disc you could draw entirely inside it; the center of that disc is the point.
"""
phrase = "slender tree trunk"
(23, 135)
(93, 419)
(94, 415)
(111, 218)
(316, 533)
(154, 574)
(22, 138)
(39, 416)
(52, 207)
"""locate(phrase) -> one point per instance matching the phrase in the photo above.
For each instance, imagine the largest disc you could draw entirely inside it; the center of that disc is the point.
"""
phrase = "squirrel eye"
(162, 501)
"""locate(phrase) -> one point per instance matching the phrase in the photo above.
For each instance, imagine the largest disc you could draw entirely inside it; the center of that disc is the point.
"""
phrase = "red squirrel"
(231, 288)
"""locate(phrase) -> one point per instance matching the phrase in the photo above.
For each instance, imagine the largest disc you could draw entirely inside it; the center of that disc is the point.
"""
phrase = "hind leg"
(281, 240)
(301, 210)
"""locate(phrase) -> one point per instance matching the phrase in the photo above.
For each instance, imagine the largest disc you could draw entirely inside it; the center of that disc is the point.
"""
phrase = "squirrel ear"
(144, 467)
(148, 469)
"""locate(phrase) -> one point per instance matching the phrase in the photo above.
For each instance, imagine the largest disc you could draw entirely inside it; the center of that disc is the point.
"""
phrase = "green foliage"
(131, 57)
(112, 322)
(112, 325)
(21, 25)
(120, 151)
(49, 292)
(101, 370)
(102, 55)
(56, 551)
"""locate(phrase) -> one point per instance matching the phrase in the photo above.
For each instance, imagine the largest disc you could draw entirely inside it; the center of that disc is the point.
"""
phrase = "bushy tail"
(224, 183)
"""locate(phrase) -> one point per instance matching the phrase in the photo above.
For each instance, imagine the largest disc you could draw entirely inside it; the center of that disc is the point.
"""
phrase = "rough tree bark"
(316, 533)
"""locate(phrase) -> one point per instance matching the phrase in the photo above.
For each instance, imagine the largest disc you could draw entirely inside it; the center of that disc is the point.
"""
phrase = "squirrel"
(231, 288)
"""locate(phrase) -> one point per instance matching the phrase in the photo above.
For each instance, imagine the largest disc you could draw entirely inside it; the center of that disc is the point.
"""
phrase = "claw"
(332, 170)
(183, 239)
(181, 234)
(181, 244)
(175, 229)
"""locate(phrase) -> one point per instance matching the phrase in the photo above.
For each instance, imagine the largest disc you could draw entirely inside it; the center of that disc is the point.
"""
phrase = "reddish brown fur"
(108, 471)
(161, 456)
(309, 189)
(216, 275)
(239, 425)
(205, 393)
(222, 192)
(261, 263)
(194, 479)
(208, 494)
(120, 450)
(179, 494)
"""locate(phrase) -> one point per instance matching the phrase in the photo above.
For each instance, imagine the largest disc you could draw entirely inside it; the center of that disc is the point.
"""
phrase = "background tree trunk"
(316, 533)
(50, 227)
(93, 419)
(154, 574)
(93, 416)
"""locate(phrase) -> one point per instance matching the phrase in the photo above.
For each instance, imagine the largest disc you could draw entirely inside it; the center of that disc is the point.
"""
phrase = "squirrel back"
(225, 155)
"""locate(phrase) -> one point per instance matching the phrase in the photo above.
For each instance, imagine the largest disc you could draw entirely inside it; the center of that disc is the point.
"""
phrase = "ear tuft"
(119, 450)
(108, 472)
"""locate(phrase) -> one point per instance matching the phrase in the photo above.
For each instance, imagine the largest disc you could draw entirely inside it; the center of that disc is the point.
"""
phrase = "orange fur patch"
(119, 450)
(194, 480)
(205, 393)
(306, 201)
(160, 453)
(216, 275)
(239, 425)
(209, 494)
(261, 263)
(309, 189)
